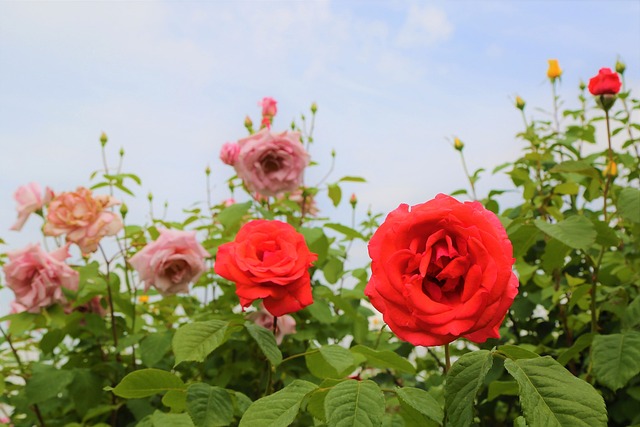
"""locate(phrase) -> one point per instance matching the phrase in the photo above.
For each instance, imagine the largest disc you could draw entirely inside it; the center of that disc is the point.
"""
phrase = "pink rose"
(286, 324)
(37, 277)
(271, 163)
(171, 262)
(83, 217)
(229, 153)
(269, 106)
(228, 202)
(29, 199)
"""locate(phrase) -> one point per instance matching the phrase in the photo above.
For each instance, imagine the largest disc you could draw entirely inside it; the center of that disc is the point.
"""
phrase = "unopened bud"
(314, 107)
(620, 67)
(248, 124)
(124, 210)
(554, 71)
(611, 170)
(457, 144)
(353, 200)
(520, 103)
(121, 151)
(333, 153)
(582, 86)
(293, 125)
(103, 139)
(606, 101)
(150, 196)
(207, 171)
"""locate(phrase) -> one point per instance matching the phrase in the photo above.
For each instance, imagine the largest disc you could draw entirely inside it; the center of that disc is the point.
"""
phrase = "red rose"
(606, 82)
(268, 260)
(442, 270)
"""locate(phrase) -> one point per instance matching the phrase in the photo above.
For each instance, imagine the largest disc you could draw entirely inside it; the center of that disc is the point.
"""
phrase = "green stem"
(466, 172)
(447, 359)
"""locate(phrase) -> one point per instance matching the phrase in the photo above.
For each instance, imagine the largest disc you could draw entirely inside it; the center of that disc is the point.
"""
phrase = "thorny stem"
(7, 338)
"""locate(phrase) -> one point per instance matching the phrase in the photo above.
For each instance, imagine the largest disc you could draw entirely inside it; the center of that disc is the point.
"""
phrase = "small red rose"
(268, 260)
(442, 270)
(607, 82)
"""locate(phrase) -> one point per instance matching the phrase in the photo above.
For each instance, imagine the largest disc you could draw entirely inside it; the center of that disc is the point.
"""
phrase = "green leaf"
(580, 344)
(502, 388)
(576, 231)
(176, 400)
(462, 384)
(566, 188)
(551, 396)
(330, 361)
(160, 419)
(354, 403)
(154, 347)
(266, 342)
(515, 352)
(335, 193)
(46, 382)
(352, 179)
(629, 204)
(209, 406)
(317, 242)
(195, 341)
(333, 270)
(631, 317)
(85, 390)
(232, 215)
(384, 359)
(616, 358)
(321, 311)
(147, 382)
(573, 166)
(422, 402)
(349, 232)
(278, 409)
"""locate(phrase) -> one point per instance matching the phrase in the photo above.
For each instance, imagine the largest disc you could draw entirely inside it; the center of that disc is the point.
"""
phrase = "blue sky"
(170, 82)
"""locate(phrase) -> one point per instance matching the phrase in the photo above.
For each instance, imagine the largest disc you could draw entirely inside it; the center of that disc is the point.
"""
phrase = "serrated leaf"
(209, 406)
(147, 382)
(354, 403)
(422, 402)
(160, 419)
(576, 231)
(629, 204)
(384, 359)
(501, 388)
(515, 352)
(85, 390)
(266, 341)
(278, 409)
(616, 358)
(462, 384)
(551, 396)
(631, 317)
(330, 361)
(46, 382)
(176, 400)
(154, 347)
(195, 341)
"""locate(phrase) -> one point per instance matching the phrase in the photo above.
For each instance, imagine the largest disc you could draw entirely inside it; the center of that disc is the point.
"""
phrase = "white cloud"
(424, 26)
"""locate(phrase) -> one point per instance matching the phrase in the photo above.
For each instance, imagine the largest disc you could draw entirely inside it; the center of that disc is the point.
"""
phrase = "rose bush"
(84, 219)
(271, 163)
(268, 260)
(442, 270)
(37, 278)
(171, 262)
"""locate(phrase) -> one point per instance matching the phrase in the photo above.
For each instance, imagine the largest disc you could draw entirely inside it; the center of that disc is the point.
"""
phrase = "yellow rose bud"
(457, 144)
(611, 169)
(143, 298)
(520, 103)
(554, 70)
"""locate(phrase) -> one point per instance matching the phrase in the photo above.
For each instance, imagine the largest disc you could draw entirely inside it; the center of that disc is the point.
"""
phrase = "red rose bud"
(607, 82)
(353, 200)
(442, 270)
(457, 144)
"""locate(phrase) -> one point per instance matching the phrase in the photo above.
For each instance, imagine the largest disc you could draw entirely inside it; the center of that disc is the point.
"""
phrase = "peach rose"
(271, 163)
(171, 262)
(83, 217)
(29, 199)
(37, 277)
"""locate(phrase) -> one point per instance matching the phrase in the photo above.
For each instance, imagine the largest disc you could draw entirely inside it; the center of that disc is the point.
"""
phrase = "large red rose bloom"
(268, 260)
(442, 270)
(607, 82)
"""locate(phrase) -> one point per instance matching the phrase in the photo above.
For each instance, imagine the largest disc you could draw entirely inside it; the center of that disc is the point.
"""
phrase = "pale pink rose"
(271, 163)
(29, 199)
(228, 202)
(83, 218)
(229, 153)
(37, 277)
(269, 106)
(16, 307)
(286, 324)
(171, 262)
